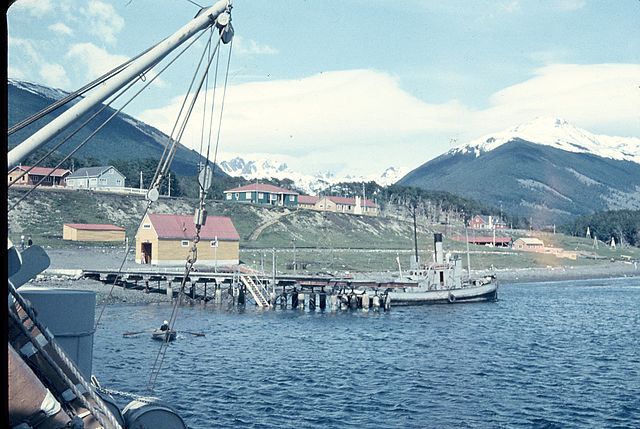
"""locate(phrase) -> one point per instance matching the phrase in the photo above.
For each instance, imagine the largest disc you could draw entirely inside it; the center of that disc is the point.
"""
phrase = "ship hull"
(485, 292)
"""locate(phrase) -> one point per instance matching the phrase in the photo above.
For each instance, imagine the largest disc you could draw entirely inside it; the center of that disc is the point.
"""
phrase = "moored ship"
(442, 282)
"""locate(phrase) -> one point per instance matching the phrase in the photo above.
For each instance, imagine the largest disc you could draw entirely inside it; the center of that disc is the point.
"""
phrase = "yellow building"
(529, 244)
(92, 232)
(165, 239)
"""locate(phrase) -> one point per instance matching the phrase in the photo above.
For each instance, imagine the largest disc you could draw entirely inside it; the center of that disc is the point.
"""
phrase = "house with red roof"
(355, 205)
(92, 232)
(486, 222)
(262, 193)
(29, 176)
(166, 239)
(307, 201)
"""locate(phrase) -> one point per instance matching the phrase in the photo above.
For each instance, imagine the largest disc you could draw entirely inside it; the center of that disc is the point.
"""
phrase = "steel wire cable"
(114, 114)
(157, 366)
(163, 164)
(75, 94)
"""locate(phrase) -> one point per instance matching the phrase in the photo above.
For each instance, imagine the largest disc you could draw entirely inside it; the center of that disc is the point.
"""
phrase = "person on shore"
(22, 242)
(29, 242)
(165, 326)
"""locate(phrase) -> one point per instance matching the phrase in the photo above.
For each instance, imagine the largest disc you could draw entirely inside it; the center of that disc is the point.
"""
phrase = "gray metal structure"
(137, 68)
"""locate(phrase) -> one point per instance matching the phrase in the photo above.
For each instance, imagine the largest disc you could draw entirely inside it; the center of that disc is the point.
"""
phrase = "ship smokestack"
(437, 244)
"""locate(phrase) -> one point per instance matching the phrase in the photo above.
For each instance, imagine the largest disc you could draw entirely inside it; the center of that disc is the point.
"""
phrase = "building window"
(229, 196)
(146, 226)
(247, 195)
(185, 243)
(214, 243)
(292, 198)
(118, 181)
(261, 195)
(237, 195)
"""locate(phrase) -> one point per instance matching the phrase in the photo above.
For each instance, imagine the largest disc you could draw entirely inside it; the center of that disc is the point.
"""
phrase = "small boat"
(160, 335)
(441, 282)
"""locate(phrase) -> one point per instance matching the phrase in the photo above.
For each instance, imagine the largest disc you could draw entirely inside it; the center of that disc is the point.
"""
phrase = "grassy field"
(324, 242)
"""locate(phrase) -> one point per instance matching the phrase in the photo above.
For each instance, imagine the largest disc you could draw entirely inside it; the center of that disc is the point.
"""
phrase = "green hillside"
(322, 241)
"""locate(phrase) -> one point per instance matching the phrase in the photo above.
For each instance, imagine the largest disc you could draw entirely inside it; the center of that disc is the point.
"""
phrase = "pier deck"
(207, 285)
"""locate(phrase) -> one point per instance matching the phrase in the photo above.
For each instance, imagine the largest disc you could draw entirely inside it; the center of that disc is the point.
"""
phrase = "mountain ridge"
(558, 133)
(541, 182)
(252, 169)
(121, 137)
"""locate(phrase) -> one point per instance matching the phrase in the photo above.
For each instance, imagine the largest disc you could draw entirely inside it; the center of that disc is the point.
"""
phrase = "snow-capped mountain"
(560, 134)
(312, 184)
(39, 90)
(546, 170)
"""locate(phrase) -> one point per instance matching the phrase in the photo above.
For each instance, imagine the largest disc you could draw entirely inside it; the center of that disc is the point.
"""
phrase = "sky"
(356, 86)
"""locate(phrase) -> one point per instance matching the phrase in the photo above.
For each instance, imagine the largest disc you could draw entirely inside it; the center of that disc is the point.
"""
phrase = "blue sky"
(355, 86)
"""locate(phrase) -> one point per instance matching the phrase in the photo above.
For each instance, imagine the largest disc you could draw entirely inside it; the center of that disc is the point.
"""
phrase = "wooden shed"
(92, 232)
(165, 239)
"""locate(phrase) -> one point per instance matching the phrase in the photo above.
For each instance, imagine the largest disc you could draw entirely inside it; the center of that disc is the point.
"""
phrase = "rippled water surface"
(549, 355)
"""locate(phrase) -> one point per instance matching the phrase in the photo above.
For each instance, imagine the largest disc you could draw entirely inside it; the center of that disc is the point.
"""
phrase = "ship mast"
(204, 19)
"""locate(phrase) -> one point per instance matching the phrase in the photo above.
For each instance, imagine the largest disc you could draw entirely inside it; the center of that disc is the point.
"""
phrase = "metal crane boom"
(204, 19)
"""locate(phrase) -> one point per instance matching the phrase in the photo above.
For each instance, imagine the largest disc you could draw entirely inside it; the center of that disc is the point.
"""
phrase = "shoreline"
(69, 278)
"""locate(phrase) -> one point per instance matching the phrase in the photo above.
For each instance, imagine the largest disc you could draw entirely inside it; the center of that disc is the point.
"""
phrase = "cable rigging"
(122, 85)
(200, 216)
(86, 140)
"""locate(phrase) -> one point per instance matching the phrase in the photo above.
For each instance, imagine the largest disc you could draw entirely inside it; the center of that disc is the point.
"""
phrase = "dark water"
(547, 355)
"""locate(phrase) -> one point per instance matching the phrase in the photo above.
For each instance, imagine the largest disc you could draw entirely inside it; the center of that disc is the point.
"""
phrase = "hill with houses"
(124, 138)
(321, 241)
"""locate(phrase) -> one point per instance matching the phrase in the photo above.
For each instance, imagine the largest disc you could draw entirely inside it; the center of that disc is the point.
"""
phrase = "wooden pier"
(242, 287)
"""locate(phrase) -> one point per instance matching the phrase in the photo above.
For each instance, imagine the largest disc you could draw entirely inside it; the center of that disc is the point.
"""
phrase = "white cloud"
(60, 28)
(251, 47)
(511, 6)
(321, 114)
(54, 75)
(569, 5)
(103, 20)
(96, 60)
(598, 97)
(341, 118)
(16, 73)
(37, 8)
(30, 65)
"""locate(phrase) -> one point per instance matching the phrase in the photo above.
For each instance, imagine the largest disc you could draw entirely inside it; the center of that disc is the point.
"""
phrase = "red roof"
(308, 199)
(94, 226)
(351, 201)
(262, 187)
(485, 240)
(43, 171)
(182, 227)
